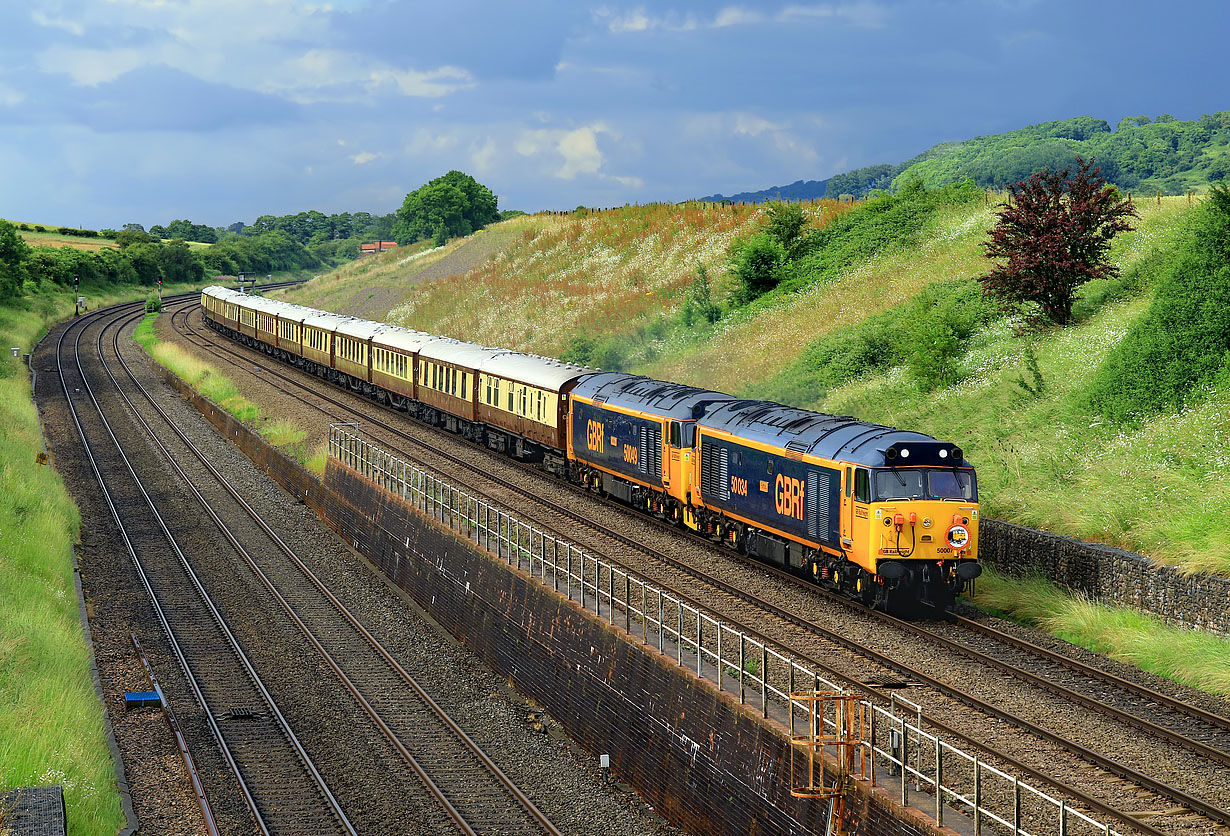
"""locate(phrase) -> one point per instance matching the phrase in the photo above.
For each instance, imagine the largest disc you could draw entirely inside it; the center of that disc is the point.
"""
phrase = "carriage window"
(510, 399)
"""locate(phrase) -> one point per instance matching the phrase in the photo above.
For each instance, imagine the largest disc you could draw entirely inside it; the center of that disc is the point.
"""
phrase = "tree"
(178, 263)
(13, 251)
(456, 204)
(1053, 236)
(786, 222)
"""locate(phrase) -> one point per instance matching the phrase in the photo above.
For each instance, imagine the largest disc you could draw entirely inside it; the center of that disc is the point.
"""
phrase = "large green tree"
(13, 251)
(447, 207)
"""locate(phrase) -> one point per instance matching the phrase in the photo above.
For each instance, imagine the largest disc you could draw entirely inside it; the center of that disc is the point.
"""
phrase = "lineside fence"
(909, 761)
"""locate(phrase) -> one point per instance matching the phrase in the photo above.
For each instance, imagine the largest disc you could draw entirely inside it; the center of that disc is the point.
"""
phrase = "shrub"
(153, 303)
(757, 263)
(1182, 341)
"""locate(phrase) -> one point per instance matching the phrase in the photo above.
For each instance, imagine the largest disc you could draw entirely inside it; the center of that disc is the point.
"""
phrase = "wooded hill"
(1142, 155)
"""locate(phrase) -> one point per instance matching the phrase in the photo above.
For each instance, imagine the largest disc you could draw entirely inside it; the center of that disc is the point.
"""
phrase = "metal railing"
(911, 760)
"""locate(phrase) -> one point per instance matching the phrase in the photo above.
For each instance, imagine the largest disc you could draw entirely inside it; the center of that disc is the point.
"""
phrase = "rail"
(917, 761)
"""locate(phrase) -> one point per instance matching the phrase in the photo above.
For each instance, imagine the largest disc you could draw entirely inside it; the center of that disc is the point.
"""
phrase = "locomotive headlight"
(926, 522)
(905, 452)
(943, 453)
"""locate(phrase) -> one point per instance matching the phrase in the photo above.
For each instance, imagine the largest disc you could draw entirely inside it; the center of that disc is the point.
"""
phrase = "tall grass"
(51, 723)
(1190, 657)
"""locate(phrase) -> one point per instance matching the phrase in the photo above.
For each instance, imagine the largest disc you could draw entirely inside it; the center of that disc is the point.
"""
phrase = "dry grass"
(595, 273)
(756, 347)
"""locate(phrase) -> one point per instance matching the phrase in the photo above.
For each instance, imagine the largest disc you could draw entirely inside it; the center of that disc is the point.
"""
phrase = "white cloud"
(736, 16)
(483, 157)
(9, 96)
(748, 125)
(70, 26)
(431, 84)
(91, 67)
(364, 157)
(863, 13)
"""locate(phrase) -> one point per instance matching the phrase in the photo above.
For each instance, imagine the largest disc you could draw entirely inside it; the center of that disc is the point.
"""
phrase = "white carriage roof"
(360, 329)
(403, 339)
(542, 372)
(459, 353)
(218, 292)
(326, 321)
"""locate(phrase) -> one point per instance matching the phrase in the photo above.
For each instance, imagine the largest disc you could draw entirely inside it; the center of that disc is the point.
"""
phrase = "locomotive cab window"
(899, 484)
(769, 467)
(676, 435)
(862, 485)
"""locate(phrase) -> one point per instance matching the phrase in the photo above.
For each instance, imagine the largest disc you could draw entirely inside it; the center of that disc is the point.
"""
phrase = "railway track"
(1209, 745)
(465, 782)
(278, 779)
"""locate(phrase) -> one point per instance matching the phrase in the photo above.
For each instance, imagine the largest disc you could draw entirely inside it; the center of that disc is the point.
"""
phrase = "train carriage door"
(672, 473)
(847, 508)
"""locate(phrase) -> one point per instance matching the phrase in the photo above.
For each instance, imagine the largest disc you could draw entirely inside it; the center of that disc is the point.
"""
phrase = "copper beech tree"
(1053, 236)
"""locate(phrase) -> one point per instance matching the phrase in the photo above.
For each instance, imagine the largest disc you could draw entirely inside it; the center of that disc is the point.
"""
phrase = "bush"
(757, 263)
(926, 334)
(1181, 344)
(153, 303)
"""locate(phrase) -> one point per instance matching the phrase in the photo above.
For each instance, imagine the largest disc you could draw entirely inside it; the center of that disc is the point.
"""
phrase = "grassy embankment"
(206, 379)
(51, 726)
(848, 342)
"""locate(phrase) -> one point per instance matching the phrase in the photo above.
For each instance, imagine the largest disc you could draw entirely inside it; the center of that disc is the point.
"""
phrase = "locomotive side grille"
(817, 505)
(655, 453)
(714, 469)
(643, 458)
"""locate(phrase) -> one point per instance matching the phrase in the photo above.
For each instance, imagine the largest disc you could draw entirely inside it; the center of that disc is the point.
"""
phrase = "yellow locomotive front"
(913, 526)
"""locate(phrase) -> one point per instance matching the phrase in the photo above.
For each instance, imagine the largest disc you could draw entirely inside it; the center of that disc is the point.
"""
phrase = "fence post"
(764, 680)
(977, 797)
(742, 664)
(905, 765)
(939, 782)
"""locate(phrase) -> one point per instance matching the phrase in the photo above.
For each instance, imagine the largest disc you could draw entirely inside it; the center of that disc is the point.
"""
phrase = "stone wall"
(1108, 574)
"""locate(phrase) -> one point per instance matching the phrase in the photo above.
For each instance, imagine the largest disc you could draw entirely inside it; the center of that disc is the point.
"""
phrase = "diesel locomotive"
(887, 516)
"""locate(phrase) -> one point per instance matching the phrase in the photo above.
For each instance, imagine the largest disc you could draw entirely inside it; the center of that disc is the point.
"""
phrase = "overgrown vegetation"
(1178, 351)
(208, 381)
(1191, 657)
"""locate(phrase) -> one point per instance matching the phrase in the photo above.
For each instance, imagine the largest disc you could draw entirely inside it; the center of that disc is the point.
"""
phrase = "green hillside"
(1141, 155)
(882, 319)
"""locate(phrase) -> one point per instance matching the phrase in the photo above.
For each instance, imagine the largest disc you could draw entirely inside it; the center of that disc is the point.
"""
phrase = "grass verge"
(204, 378)
(1189, 657)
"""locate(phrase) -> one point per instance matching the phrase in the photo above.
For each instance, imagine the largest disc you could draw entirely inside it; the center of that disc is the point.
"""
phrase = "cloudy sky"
(115, 111)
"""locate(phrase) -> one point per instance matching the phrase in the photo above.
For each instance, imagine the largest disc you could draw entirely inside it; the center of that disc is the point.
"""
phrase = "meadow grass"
(281, 432)
(1190, 657)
